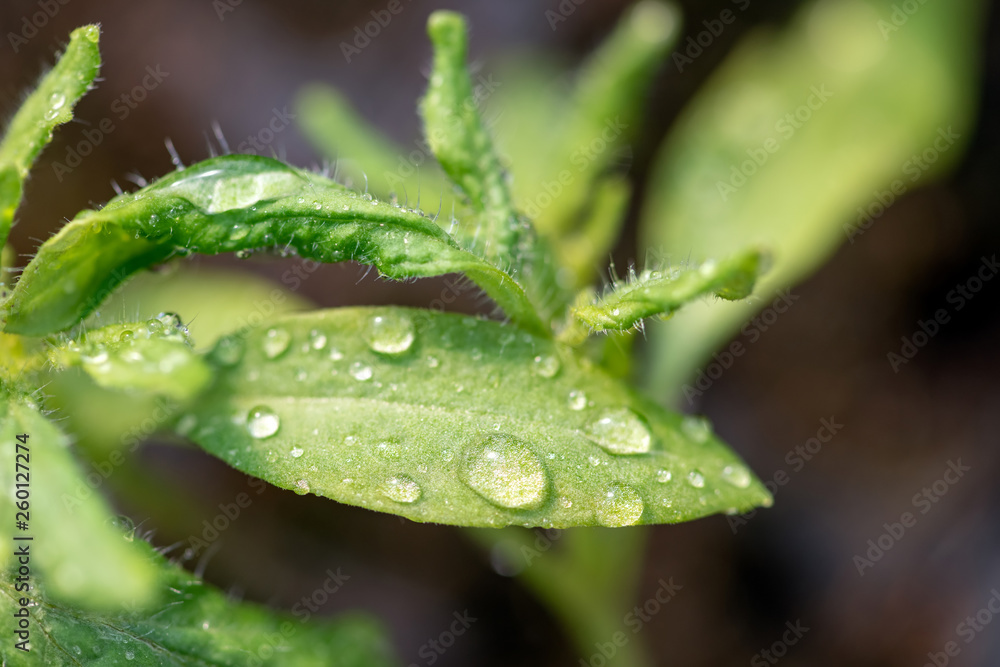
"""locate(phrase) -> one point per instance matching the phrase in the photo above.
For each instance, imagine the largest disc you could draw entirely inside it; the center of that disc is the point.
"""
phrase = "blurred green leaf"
(75, 546)
(238, 203)
(155, 356)
(194, 625)
(451, 419)
(791, 135)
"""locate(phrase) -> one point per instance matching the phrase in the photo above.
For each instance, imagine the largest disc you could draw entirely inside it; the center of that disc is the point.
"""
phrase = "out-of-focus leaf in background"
(194, 625)
(750, 162)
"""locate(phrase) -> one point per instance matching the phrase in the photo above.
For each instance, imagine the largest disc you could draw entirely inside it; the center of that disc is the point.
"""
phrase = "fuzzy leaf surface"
(193, 625)
(452, 419)
(238, 203)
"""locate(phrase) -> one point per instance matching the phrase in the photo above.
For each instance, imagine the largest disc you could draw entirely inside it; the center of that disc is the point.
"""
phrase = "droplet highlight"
(276, 342)
(390, 333)
(262, 422)
(621, 431)
(504, 471)
(402, 489)
(621, 506)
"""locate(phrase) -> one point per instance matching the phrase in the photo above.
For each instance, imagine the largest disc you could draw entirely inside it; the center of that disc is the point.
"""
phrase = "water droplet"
(447, 455)
(262, 422)
(546, 365)
(737, 475)
(594, 460)
(301, 487)
(433, 362)
(296, 452)
(390, 333)
(696, 479)
(276, 341)
(317, 339)
(170, 320)
(621, 506)
(577, 400)
(57, 101)
(402, 489)
(565, 502)
(621, 431)
(663, 475)
(361, 372)
(504, 470)
(388, 450)
(335, 354)
(243, 254)
(696, 428)
(129, 655)
(228, 351)
(126, 336)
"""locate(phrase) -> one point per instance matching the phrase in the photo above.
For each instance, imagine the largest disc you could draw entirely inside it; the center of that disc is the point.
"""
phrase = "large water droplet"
(737, 475)
(390, 333)
(621, 431)
(504, 470)
(402, 489)
(696, 428)
(546, 365)
(262, 422)
(696, 479)
(577, 400)
(361, 371)
(276, 341)
(621, 506)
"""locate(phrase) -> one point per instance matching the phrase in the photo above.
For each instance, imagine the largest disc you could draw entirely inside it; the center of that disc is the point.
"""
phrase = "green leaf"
(463, 147)
(238, 203)
(74, 545)
(663, 291)
(51, 104)
(452, 419)
(794, 133)
(194, 625)
(156, 356)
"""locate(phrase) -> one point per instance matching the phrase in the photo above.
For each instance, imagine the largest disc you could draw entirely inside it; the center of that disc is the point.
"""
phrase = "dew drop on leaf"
(737, 475)
(504, 471)
(621, 431)
(663, 476)
(262, 422)
(696, 479)
(335, 354)
(402, 489)
(361, 371)
(317, 339)
(696, 428)
(276, 341)
(577, 400)
(390, 333)
(301, 487)
(546, 365)
(228, 351)
(296, 452)
(621, 506)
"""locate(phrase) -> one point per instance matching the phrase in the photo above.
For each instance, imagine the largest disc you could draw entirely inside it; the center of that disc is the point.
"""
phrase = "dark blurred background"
(236, 63)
